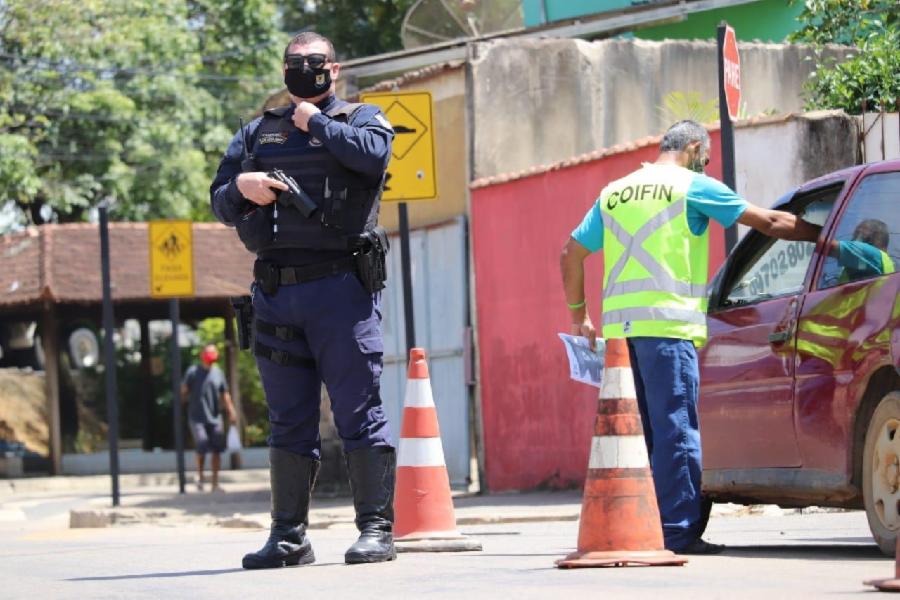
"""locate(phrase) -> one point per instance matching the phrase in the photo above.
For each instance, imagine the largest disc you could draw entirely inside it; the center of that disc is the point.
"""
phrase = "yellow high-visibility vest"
(656, 269)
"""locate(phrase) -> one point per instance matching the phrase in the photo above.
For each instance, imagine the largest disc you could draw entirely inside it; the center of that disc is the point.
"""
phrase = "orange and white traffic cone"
(620, 524)
(892, 584)
(424, 520)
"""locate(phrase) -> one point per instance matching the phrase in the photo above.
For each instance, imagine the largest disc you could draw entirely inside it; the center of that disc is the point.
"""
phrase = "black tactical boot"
(372, 472)
(293, 477)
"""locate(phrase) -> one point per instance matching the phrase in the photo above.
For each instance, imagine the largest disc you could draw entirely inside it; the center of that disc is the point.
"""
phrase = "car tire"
(881, 473)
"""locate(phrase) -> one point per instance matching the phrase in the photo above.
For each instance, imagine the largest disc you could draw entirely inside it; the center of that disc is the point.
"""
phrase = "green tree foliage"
(355, 27)
(678, 106)
(132, 102)
(871, 74)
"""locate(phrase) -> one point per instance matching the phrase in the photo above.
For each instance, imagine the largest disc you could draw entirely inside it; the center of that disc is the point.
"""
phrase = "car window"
(765, 267)
(866, 242)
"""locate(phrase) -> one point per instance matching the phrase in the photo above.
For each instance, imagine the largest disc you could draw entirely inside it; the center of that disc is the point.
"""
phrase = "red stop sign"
(732, 74)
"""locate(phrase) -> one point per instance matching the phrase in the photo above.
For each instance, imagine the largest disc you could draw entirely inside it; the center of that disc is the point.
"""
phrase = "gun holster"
(243, 309)
(371, 263)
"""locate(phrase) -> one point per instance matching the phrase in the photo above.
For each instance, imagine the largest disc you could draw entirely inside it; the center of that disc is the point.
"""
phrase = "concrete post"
(50, 342)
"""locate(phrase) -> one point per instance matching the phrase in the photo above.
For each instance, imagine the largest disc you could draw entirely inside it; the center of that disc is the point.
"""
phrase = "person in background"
(205, 392)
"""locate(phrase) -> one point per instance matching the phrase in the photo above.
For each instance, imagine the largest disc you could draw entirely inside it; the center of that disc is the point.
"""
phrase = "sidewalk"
(246, 505)
(153, 499)
(100, 484)
(245, 502)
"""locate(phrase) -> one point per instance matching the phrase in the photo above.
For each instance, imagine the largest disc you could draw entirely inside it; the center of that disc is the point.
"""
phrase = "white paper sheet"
(585, 365)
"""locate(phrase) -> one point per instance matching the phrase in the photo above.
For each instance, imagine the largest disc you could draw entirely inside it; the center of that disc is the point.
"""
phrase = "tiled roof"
(412, 77)
(61, 263)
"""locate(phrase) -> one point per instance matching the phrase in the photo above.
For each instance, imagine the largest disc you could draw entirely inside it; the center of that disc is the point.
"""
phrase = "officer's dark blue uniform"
(318, 323)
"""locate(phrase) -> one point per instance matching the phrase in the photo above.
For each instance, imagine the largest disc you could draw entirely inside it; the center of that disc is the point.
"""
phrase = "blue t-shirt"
(205, 387)
(707, 198)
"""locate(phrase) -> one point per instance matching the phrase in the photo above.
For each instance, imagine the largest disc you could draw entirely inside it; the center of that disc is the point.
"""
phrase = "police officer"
(319, 269)
(653, 228)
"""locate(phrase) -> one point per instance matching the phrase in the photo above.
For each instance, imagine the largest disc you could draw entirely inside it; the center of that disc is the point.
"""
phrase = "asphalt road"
(789, 556)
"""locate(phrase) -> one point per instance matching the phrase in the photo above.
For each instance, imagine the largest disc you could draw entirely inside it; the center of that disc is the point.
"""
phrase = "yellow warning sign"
(171, 259)
(411, 172)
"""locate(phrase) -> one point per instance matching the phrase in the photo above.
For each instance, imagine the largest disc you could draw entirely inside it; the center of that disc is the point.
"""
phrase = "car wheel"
(881, 473)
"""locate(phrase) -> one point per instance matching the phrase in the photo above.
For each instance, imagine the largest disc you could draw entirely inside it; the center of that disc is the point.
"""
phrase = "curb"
(100, 483)
(93, 518)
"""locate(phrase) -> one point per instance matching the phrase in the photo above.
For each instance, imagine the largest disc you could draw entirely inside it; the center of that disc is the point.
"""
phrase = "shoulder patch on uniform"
(383, 122)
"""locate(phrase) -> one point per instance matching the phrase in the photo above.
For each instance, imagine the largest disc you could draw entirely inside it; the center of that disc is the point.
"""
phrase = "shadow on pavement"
(157, 575)
(836, 551)
(199, 502)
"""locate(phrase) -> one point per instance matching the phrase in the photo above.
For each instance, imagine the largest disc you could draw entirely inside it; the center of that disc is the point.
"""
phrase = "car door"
(846, 321)
(747, 365)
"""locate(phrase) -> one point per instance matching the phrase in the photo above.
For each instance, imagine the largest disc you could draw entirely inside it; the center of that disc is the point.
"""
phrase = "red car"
(800, 378)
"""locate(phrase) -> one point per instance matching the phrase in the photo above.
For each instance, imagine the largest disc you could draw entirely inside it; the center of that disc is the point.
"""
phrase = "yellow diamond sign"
(411, 172)
(171, 259)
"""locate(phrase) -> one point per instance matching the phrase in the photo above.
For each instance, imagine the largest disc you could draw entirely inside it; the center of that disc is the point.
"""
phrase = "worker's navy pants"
(667, 382)
(341, 332)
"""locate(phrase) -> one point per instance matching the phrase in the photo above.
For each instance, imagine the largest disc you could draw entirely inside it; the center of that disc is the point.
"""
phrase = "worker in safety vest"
(653, 228)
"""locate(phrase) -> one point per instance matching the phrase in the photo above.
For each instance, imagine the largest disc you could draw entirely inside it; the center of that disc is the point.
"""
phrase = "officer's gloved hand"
(258, 187)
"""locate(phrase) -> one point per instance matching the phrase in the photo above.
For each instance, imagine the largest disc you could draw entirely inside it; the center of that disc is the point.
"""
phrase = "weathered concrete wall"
(775, 155)
(882, 136)
(536, 102)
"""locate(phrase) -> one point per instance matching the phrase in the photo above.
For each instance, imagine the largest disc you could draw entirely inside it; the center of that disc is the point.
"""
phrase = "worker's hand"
(586, 329)
(302, 113)
(256, 187)
(232, 418)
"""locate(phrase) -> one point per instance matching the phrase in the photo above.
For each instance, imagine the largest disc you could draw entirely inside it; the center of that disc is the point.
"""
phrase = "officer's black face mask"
(306, 76)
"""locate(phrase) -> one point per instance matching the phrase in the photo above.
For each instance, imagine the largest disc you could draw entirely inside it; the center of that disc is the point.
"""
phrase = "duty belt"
(270, 276)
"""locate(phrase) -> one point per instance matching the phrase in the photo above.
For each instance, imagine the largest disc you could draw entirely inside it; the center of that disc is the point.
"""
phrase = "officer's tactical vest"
(654, 283)
(348, 202)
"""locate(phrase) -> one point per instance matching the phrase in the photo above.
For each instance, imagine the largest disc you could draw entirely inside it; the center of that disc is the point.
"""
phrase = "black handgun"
(371, 264)
(294, 195)
(243, 309)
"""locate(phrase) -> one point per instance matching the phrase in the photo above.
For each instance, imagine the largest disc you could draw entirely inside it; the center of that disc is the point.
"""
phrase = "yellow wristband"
(575, 306)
